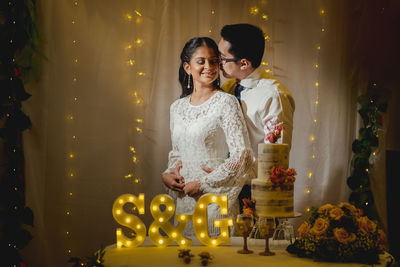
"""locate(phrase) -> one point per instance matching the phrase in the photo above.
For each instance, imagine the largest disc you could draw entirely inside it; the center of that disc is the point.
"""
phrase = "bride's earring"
(188, 85)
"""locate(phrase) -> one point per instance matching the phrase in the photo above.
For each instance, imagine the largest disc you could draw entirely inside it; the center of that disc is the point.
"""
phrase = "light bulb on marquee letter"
(161, 220)
(129, 220)
(200, 220)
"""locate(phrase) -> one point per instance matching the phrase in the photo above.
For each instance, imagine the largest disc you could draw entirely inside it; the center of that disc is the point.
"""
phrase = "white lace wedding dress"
(214, 135)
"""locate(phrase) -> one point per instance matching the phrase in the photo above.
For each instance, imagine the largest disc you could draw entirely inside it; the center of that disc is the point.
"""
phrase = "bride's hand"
(192, 189)
(207, 170)
(172, 181)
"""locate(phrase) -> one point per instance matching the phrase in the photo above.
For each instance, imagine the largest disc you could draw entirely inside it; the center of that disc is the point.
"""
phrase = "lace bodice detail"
(214, 135)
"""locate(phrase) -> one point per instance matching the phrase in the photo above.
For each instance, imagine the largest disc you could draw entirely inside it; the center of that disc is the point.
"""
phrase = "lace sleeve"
(173, 155)
(229, 174)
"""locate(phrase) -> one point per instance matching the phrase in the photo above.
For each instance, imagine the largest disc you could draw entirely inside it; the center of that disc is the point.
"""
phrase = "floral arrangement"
(274, 128)
(249, 206)
(339, 233)
(282, 176)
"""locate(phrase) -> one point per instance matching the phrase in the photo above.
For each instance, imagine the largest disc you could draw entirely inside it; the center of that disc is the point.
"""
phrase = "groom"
(264, 99)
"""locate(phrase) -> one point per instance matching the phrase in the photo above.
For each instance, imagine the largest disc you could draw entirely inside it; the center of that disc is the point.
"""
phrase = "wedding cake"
(273, 188)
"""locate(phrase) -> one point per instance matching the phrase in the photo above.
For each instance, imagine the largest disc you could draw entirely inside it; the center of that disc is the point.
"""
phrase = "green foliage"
(95, 260)
(372, 106)
(19, 41)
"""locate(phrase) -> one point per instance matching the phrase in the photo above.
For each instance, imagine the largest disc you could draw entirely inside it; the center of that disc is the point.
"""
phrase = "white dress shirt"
(264, 99)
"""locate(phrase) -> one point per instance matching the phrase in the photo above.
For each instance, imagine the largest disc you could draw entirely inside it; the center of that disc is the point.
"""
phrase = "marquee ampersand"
(161, 221)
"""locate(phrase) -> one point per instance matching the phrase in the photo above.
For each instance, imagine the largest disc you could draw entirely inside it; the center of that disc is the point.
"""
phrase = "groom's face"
(230, 69)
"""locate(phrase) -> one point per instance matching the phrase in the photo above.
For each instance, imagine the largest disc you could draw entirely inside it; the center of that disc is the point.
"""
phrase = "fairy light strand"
(262, 18)
(71, 118)
(135, 18)
(316, 102)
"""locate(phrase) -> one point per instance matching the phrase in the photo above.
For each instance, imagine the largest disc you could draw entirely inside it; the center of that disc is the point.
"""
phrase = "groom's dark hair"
(247, 41)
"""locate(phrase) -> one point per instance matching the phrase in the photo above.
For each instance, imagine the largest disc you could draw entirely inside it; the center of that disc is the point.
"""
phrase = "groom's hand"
(192, 189)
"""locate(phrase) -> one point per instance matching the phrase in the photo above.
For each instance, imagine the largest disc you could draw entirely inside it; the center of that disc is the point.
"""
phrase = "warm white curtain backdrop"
(103, 102)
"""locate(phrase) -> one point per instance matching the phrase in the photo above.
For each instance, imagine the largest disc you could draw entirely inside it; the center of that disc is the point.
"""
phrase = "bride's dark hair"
(186, 54)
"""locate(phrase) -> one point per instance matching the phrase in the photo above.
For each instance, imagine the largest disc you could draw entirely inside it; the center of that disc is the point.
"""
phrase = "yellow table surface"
(225, 255)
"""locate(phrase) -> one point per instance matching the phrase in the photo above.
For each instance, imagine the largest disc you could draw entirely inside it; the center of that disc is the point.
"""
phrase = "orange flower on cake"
(303, 229)
(277, 175)
(274, 128)
(325, 208)
(343, 236)
(366, 225)
(336, 213)
(282, 176)
(353, 210)
(320, 227)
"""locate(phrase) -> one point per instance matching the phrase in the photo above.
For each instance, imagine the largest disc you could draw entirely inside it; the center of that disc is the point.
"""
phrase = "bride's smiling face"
(203, 65)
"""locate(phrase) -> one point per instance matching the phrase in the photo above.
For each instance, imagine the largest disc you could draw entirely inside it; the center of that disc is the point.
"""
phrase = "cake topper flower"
(282, 176)
(274, 129)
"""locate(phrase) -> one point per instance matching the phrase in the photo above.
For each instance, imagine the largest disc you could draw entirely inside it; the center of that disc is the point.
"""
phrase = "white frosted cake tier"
(272, 200)
(270, 155)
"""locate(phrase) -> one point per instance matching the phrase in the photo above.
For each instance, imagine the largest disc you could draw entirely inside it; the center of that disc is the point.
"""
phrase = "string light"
(128, 16)
(128, 176)
(254, 10)
(139, 42)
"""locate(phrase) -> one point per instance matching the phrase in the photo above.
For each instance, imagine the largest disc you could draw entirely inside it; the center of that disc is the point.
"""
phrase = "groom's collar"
(252, 80)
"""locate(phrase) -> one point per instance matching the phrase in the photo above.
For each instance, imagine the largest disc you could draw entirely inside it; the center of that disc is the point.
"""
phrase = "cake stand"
(284, 232)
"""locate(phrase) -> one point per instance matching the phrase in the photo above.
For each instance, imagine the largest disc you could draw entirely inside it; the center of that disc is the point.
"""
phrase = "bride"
(207, 129)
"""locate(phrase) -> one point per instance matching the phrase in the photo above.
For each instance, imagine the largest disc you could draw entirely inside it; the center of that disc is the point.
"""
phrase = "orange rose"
(343, 236)
(291, 172)
(303, 229)
(366, 225)
(326, 207)
(248, 211)
(320, 227)
(290, 180)
(277, 175)
(353, 210)
(336, 213)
